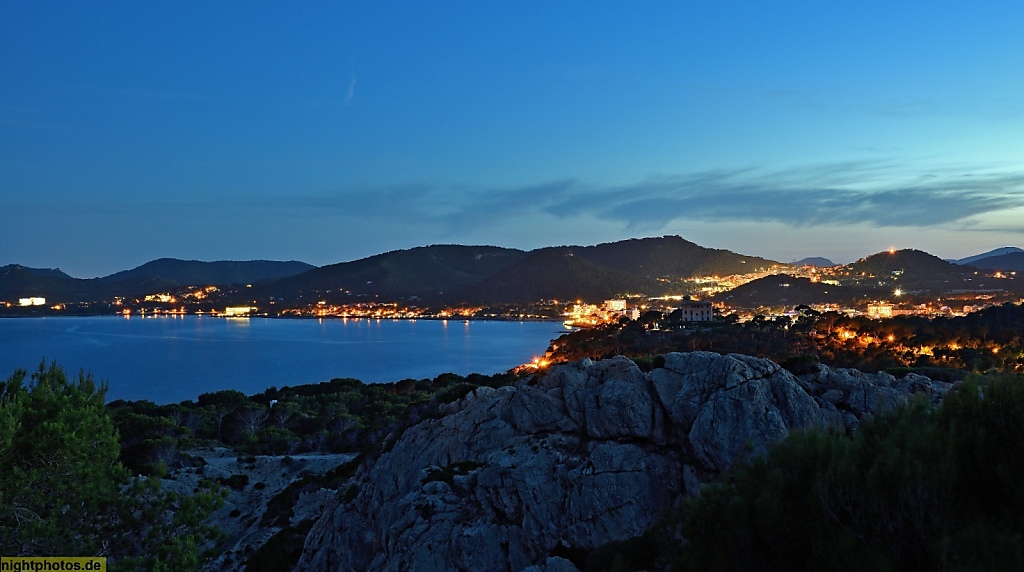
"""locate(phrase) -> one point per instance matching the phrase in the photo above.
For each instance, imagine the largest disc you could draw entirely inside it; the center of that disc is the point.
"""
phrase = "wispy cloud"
(844, 194)
(875, 193)
(351, 89)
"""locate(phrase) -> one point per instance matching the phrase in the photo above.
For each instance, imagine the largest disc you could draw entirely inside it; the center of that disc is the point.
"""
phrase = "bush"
(454, 393)
(237, 482)
(801, 364)
(920, 488)
(64, 491)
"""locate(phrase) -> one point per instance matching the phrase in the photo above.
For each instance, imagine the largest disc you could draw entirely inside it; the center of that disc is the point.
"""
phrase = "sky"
(330, 131)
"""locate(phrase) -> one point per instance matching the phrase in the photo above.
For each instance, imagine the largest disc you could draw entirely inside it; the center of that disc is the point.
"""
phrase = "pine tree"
(64, 491)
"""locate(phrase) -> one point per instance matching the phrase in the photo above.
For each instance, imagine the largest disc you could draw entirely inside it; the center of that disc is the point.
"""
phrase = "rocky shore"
(576, 457)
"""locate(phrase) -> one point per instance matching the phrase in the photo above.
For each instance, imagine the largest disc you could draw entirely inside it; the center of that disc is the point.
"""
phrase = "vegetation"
(922, 489)
(987, 340)
(64, 491)
(338, 416)
(66, 484)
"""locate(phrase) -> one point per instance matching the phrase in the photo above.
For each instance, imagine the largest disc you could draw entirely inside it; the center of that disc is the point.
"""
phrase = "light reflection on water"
(170, 359)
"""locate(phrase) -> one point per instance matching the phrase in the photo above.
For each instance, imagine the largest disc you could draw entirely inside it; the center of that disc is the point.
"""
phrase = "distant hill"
(196, 273)
(489, 274)
(426, 272)
(912, 269)
(157, 276)
(992, 253)
(18, 281)
(46, 272)
(815, 261)
(908, 260)
(785, 290)
(557, 273)
(1012, 262)
(670, 256)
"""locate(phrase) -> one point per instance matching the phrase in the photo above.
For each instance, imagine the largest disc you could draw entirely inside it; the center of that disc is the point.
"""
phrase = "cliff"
(580, 456)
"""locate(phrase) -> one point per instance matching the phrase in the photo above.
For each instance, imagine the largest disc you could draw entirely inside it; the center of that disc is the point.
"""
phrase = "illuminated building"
(880, 310)
(695, 311)
(615, 305)
(238, 311)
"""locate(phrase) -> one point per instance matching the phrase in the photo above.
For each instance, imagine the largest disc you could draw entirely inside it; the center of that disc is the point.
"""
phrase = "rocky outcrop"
(847, 395)
(586, 454)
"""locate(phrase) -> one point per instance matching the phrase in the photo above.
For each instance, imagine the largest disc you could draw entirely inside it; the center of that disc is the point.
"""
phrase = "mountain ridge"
(990, 254)
(452, 274)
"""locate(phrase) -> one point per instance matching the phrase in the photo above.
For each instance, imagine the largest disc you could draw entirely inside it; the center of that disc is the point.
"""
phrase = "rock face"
(586, 454)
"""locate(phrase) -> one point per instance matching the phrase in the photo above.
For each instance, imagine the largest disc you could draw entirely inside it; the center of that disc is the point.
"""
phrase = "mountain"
(815, 261)
(557, 273)
(426, 272)
(669, 256)
(992, 253)
(157, 276)
(914, 270)
(196, 273)
(45, 272)
(490, 274)
(18, 281)
(1012, 262)
(785, 290)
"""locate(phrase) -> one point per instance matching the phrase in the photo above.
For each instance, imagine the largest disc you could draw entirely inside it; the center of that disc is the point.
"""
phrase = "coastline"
(183, 356)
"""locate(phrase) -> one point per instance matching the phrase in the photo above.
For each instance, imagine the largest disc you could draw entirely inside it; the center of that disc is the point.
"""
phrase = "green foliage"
(648, 363)
(989, 340)
(279, 509)
(59, 476)
(63, 490)
(921, 488)
(237, 482)
(801, 364)
(454, 393)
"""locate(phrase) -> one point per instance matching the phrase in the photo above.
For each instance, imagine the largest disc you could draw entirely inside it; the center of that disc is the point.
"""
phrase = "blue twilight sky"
(327, 132)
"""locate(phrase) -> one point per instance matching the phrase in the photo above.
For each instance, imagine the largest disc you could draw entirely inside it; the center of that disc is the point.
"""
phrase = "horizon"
(836, 262)
(326, 133)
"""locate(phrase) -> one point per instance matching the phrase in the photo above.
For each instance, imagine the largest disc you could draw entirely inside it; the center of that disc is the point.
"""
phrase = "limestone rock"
(579, 456)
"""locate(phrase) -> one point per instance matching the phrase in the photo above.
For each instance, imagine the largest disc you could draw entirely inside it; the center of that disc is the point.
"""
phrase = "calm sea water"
(170, 359)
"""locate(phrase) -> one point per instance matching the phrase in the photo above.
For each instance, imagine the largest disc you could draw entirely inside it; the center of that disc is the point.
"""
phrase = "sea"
(169, 359)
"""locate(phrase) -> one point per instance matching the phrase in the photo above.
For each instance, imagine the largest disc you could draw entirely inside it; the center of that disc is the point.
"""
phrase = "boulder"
(578, 456)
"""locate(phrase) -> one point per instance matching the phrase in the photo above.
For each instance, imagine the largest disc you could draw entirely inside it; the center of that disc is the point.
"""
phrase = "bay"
(167, 359)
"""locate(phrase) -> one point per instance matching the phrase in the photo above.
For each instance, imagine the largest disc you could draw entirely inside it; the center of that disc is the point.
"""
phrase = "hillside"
(195, 272)
(556, 273)
(915, 270)
(1013, 262)
(669, 256)
(489, 274)
(814, 261)
(18, 281)
(426, 272)
(785, 290)
(990, 254)
(157, 276)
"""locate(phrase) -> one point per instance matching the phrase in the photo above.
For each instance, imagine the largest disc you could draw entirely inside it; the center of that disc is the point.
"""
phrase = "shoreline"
(279, 317)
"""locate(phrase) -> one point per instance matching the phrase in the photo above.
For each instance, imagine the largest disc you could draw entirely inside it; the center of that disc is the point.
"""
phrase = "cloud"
(874, 193)
(351, 89)
(850, 193)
